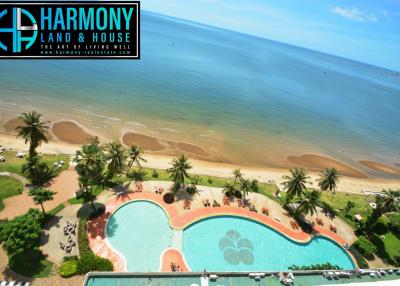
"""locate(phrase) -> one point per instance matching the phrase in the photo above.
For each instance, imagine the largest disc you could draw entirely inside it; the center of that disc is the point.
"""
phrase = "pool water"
(227, 243)
(140, 231)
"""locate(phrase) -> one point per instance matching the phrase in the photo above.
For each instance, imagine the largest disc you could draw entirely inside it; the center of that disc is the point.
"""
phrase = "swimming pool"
(227, 243)
(140, 231)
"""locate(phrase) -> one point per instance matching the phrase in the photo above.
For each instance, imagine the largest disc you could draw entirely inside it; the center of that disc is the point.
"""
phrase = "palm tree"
(179, 169)
(329, 179)
(90, 162)
(33, 130)
(254, 186)
(237, 174)
(40, 196)
(295, 184)
(135, 156)
(35, 170)
(389, 201)
(308, 203)
(349, 206)
(245, 187)
(116, 158)
(229, 189)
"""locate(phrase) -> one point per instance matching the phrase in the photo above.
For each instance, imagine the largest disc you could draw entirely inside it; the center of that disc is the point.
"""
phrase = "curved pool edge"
(184, 221)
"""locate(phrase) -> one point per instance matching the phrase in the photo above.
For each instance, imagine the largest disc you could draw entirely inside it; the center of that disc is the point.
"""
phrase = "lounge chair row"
(14, 283)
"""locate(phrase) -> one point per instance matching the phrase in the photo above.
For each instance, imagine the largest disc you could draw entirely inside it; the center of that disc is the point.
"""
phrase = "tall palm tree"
(245, 187)
(90, 162)
(328, 179)
(116, 158)
(308, 203)
(35, 170)
(295, 184)
(179, 169)
(33, 130)
(135, 156)
(254, 186)
(389, 201)
(40, 196)
(237, 174)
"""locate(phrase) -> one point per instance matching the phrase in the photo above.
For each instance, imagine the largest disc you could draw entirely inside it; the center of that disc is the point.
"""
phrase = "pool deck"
(179, 220)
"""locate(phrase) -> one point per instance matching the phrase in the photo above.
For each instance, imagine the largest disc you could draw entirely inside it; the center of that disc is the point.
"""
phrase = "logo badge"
(73, 29)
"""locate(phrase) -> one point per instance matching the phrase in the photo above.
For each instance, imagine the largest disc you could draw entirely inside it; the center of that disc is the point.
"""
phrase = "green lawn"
(339, 201)
(14, 164)
(392, 245)
(9, 187)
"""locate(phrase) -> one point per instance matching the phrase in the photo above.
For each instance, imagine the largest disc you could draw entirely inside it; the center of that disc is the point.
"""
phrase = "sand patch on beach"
(11, 124)
(318, 162)
(156, 144)
(194, 149)
(380, 167)
(70, 132)
(146, 142)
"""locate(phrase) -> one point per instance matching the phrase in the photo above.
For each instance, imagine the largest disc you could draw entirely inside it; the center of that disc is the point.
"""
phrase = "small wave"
(168, 129)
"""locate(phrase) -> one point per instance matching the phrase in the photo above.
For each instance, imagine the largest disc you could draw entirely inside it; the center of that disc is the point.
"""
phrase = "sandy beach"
(381, 167)
(317, 162)
(347, 183)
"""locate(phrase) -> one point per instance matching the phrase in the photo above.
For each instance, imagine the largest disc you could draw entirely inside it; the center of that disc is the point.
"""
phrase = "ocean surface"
(244, 99)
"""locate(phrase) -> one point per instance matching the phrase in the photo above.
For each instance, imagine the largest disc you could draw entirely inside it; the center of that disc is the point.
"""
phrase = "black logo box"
(35, 51)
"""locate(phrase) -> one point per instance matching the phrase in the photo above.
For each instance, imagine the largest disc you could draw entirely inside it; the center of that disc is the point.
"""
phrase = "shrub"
(210, 180)
(325, 266)
(168, 198)
(365, 247)
(382, 225)
(394, 222)
(87, 211)
(22, 233)
(155, 174)
(24, 259)
(90, 262)
(69, 268)
(70, 257)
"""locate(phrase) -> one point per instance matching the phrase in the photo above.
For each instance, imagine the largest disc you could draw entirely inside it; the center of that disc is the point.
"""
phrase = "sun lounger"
(206, 203)
(160, 190)
(19, 284)
(265, 211)
(12, 283)
(3, 283)
(27, 283)
(216, 204)
(277, 219)
(204, 281)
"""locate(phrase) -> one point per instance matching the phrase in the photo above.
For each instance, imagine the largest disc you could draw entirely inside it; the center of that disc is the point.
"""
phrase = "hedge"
(361, 262)
(88, 260)
(365, 247)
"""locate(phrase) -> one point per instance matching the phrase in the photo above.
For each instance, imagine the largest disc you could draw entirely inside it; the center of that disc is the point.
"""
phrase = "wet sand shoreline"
(72, 134)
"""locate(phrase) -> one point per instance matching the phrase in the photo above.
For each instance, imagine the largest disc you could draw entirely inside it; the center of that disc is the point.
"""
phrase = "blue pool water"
(141, 232)
(237, 244)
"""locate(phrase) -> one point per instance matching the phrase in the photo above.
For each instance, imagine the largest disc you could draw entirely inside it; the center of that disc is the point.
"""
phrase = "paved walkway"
(54, 234)
(65, 185)
(179, 218)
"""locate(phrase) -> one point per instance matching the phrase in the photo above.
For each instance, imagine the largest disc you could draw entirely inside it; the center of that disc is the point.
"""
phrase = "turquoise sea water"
(243, 98)
(140, 232)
